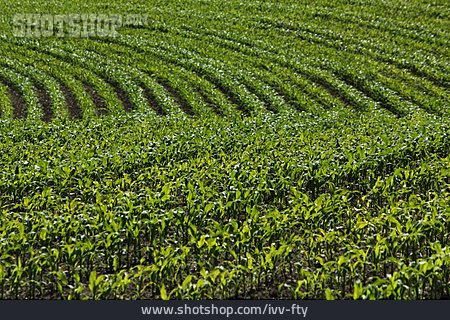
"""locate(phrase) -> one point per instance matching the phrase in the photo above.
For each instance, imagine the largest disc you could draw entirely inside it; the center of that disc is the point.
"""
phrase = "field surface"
(228, 149)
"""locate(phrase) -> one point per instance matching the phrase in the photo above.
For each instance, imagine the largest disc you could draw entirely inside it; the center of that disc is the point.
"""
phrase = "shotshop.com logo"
(74, 25)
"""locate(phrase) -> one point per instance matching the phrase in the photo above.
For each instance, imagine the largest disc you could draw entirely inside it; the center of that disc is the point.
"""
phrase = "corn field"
(228, 149)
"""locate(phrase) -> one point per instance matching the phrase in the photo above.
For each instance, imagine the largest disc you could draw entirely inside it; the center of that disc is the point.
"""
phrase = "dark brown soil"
(97, 99)
(151, 101)
(46, 103)
(74, 108)
(122, 96)
(231, 97)
(17, 101)
(179, 99)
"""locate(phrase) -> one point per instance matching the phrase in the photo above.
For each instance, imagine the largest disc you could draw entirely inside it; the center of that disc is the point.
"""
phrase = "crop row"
(229, 149)
(227, 209)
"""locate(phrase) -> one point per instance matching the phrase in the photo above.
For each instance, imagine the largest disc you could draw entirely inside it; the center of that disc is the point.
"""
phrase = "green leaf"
(163, 293)
(329, 294)
(186, 282)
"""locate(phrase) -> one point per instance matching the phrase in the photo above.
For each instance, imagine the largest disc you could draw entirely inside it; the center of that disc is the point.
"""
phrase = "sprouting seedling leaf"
(186, 282)
(163, 293)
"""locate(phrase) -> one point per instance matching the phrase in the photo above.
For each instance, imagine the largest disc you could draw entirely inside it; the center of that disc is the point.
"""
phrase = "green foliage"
(236, 149)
